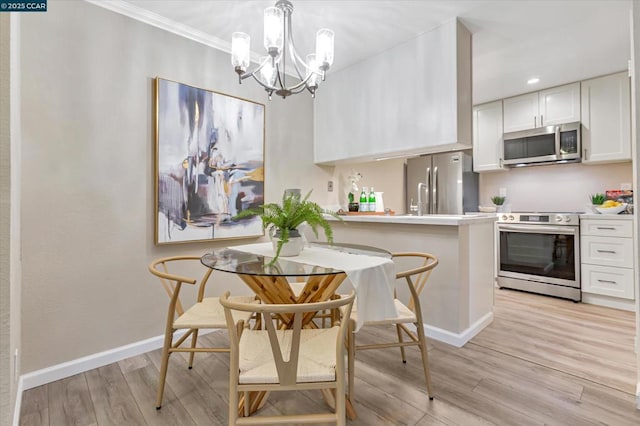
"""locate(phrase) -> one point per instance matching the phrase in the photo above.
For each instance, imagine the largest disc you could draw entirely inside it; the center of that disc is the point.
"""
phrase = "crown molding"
(153, 19)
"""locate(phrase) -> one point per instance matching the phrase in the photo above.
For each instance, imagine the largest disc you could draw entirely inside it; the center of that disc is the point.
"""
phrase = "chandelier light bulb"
(240, 50)
(268, 71)
(273, 30)
(324, 48)
(313, 71)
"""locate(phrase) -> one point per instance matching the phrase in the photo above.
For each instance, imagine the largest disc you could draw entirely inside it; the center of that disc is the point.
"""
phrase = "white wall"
(9, 218)
(87, 173)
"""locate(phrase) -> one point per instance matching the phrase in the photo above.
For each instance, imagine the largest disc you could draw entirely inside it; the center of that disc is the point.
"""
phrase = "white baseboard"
(459, 339)
(80, 365)
(609, 302)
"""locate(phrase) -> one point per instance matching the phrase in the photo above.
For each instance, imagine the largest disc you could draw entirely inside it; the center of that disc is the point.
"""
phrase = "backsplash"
(550, 188)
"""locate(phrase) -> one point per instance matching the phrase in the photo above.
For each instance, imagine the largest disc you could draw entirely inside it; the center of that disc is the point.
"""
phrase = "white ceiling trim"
(148, 17)
(158, 21)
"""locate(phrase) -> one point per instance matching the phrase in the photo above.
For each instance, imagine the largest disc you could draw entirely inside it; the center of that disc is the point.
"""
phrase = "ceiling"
(558, 41)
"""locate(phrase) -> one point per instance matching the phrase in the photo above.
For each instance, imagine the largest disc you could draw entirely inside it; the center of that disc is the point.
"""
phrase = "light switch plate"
(330, 186)
(625, 186)
(503, 192)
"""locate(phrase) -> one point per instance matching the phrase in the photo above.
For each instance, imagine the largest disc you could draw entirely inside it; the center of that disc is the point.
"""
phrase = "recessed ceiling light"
(533, 80)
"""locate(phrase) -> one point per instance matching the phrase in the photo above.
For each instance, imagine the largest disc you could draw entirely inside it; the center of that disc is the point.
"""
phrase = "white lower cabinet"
(606, 280)
(606, 252)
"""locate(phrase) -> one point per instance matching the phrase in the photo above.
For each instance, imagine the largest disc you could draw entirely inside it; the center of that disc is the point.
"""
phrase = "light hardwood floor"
(542, 361)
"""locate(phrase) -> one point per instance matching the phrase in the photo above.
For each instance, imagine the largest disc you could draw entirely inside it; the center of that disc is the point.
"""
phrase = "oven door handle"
(538, 229)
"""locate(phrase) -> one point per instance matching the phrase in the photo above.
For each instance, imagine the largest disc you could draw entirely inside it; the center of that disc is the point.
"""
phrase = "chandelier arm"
(295, 57)
(303, 82)
(256, 71)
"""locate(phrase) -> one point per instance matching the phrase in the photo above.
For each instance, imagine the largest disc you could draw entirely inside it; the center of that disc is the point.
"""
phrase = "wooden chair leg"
(351, 359)
(194, 340)
(425, 358)
(341, 412)
(399, 332)
(168, 339)
(233, 405)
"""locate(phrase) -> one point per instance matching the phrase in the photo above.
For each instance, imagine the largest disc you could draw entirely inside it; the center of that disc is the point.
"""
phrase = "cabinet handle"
(500, 162)
(608, 228)
(606, 251)
(584, 154)
(608, 281)
(534, 121)
(541, 120)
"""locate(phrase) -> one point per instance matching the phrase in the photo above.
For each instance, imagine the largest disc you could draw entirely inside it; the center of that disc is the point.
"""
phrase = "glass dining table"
(322, 267)
(316, 266)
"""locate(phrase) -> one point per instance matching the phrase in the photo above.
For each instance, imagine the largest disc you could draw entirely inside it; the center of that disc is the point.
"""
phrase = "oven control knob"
(511, 217)
(558, 218)
(567, 218)
(504, 217)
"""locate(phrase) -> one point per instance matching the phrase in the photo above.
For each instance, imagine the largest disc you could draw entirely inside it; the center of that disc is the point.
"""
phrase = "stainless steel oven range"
(540, 253)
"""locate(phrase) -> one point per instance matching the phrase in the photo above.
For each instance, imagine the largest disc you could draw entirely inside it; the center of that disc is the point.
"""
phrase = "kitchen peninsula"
(458, 299)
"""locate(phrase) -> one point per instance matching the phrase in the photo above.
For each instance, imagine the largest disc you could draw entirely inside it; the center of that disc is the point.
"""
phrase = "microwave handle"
(558, 141)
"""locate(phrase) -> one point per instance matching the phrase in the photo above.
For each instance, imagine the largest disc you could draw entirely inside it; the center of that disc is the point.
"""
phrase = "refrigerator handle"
(426, 190)
(435, 190)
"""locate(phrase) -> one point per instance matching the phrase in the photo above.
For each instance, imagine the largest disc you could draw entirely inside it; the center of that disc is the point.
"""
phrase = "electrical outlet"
(330, 186)
(503, 192)
(625, 186)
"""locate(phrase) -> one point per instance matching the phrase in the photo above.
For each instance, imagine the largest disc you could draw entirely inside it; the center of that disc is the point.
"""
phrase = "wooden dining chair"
(409, 313)
(286, 359)
(205, 313)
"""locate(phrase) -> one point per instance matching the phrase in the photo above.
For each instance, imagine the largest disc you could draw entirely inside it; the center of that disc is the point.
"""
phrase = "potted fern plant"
(282, 222)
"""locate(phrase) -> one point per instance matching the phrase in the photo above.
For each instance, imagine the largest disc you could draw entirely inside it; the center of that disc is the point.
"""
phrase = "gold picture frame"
(209, 164)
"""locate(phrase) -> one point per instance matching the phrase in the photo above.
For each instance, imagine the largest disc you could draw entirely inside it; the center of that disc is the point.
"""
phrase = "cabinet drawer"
(607, 228)
(607, 251)
(616, 282)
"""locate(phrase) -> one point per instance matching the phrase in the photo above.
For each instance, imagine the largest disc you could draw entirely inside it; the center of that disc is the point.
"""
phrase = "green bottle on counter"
(364, 201)
(372, 200)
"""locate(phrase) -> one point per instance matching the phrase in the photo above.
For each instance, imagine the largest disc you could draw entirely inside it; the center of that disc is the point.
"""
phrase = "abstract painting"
(209, 164)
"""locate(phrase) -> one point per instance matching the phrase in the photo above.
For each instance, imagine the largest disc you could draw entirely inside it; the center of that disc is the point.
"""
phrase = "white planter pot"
(292, 247)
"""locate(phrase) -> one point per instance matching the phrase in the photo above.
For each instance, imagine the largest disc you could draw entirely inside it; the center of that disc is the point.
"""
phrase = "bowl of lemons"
(611, 207)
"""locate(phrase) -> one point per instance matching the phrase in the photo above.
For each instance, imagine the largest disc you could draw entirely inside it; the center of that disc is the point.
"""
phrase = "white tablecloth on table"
(372, 277)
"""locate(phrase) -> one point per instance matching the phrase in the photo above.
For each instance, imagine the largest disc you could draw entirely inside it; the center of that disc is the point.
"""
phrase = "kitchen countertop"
(432, 219)
(606, 216)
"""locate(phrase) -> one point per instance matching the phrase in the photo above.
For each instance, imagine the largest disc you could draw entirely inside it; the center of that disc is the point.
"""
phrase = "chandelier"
(271, 73)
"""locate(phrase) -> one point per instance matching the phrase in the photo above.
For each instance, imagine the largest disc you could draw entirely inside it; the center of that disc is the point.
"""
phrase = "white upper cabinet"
(606, 119)
(487, 137)
(557, 105)
(521, 112)
(414, 98)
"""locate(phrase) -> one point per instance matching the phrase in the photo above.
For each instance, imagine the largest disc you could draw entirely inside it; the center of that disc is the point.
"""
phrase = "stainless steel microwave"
(543, 145)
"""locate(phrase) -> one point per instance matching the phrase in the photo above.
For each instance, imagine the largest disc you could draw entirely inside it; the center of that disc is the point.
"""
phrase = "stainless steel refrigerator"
(441, 184)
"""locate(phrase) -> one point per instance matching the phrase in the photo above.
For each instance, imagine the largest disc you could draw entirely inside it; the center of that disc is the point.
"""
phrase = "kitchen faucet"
(420, 186)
